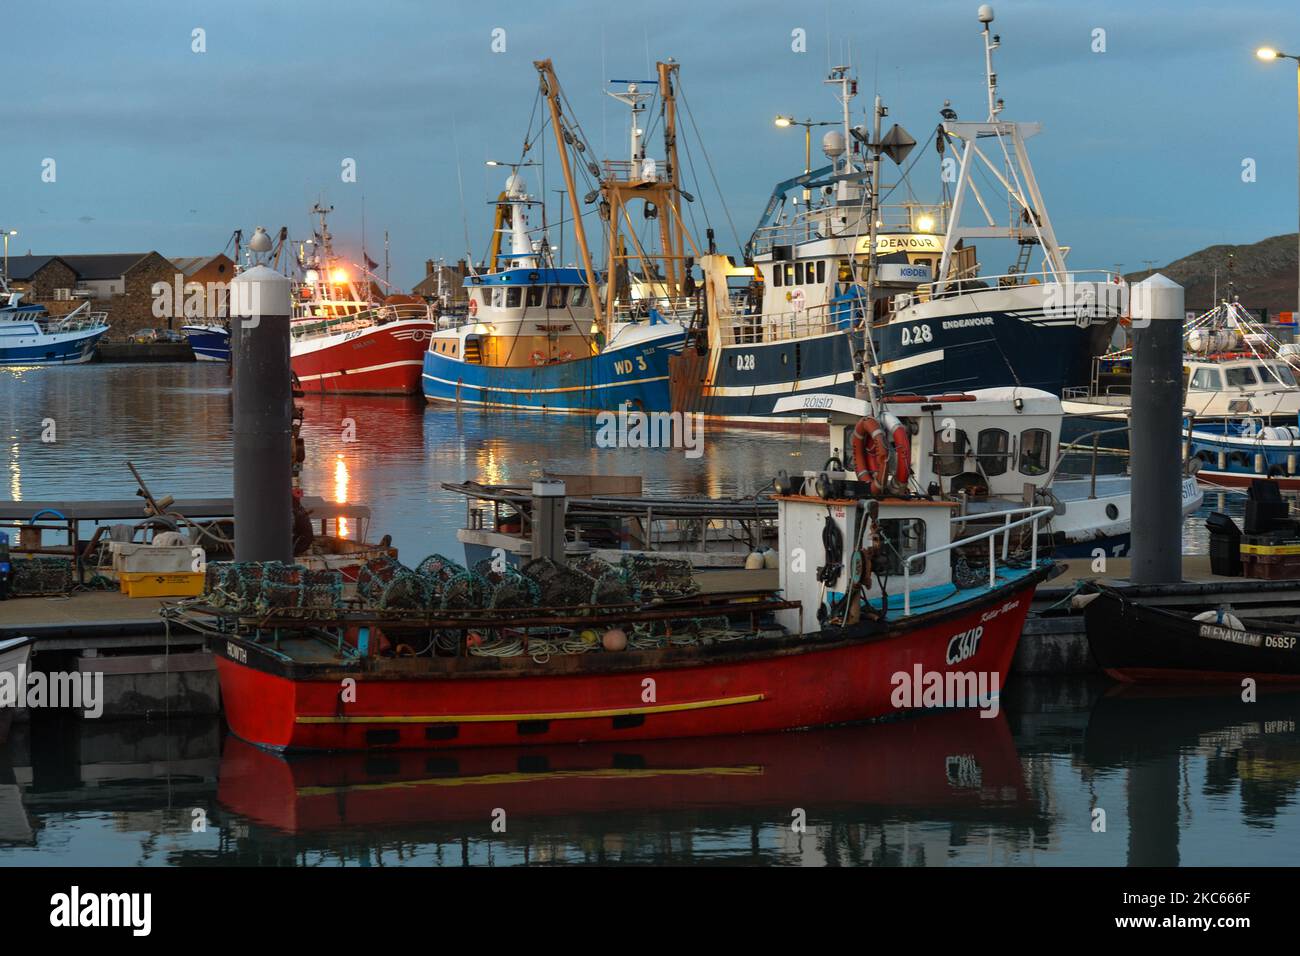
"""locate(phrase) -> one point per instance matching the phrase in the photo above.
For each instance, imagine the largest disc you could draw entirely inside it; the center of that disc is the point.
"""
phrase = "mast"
(550, 87)
(670, 230)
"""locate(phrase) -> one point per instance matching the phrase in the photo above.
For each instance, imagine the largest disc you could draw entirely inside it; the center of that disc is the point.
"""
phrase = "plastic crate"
(145, 584)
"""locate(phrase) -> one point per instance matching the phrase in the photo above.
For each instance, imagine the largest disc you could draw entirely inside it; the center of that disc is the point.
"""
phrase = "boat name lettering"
(968, 323)
(1215, 632)
(236, 653)
(744, 363)
(917, 336)
(1280, 642)
(990, 615)
(817, 401)
(964, 645)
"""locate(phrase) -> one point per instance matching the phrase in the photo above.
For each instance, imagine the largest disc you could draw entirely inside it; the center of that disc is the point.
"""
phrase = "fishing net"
(375, 575)
(36, 576)
(559, 584)
(655, 578)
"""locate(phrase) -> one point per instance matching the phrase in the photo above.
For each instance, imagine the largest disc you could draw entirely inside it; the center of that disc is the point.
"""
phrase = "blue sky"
(158, 147)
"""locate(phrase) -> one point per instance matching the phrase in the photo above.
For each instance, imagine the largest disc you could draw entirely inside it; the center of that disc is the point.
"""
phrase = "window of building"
(901, 538)
(1035, 451)
(992, 449)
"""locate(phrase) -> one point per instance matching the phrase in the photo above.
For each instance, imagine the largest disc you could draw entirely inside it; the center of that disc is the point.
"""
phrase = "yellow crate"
(1270, 549)
(142, 584)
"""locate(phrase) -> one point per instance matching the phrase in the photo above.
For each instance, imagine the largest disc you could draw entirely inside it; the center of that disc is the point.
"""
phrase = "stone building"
(453, 279)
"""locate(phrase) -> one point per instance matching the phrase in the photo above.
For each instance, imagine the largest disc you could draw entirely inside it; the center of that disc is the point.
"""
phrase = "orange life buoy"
(538, 358)
(566, 356)
(902, 453)
(473, 306)
(870, 462)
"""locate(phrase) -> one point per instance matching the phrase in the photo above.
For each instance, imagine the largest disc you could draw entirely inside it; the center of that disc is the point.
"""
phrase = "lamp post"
(1268, 53)
(784, 121)
(8, 233)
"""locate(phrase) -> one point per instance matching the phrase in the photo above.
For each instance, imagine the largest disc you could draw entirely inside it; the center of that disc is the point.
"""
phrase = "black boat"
(1136, 642)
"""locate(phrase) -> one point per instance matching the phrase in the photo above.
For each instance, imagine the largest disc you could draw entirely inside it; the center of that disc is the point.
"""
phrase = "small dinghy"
(14, 653)
(1134, 641)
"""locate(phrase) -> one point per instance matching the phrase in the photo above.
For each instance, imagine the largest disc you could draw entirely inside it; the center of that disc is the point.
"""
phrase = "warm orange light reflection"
(341, 490)
(339, 275)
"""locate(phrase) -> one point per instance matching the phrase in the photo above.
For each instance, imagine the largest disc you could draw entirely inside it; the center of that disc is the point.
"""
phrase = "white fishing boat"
(994, 450)
(29, 335)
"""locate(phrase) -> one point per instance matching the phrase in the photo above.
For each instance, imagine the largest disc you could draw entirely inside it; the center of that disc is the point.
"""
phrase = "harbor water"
(1178, 779)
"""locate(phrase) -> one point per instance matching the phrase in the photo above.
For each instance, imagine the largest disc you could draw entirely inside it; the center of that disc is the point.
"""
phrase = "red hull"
(942, 762)
(381, 360)
(634, 696)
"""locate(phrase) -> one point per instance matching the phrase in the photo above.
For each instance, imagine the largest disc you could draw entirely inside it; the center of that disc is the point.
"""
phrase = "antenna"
(991, 43)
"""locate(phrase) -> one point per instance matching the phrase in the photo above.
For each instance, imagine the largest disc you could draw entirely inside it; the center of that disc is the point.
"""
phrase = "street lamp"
(784, 121)
(8, 233)
(1269, 53)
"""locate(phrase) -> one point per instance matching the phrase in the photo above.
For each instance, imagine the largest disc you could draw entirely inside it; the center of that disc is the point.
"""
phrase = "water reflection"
(1184, 778)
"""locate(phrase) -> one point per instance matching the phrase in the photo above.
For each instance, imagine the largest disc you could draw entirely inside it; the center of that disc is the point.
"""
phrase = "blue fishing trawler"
(210, 342)
(29, 335)
(538, 336)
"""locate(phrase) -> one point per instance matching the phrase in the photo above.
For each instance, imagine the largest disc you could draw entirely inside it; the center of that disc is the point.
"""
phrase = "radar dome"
(986, 13)
(833, 143)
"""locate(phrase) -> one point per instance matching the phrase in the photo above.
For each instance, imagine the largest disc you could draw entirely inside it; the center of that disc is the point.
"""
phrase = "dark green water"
(1181, 780)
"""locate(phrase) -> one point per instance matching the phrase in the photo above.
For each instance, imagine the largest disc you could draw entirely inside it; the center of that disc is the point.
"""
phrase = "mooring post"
(548, 520)
(1155, 434)
(263, 415)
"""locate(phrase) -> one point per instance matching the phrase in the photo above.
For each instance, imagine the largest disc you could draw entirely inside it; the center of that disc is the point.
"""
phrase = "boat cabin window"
(789, 275)
(901, 538)
(992, 449)
(845, 271)
(777, 276)
(498, 297)
(534, 296)
(950, 446)
(579, 295)
(514, 296)
(556, 296)
(1279, 374)
(821, 271)
(1035, 451)
(1243, 376)
(798, 273)
(1206, 380)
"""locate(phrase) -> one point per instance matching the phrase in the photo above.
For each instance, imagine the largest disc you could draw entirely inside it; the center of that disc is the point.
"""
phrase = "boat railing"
(1046, 278)
(820, 222)
(741, 329)
(78, 321)
(363, 318)
(1031, 515)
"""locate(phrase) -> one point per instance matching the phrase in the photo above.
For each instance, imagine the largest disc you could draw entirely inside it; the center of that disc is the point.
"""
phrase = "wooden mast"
(670, 227)
(551, 90)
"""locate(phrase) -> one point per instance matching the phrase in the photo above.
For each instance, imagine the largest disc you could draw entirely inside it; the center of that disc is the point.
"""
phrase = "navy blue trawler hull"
(743, 382)
(989, 350)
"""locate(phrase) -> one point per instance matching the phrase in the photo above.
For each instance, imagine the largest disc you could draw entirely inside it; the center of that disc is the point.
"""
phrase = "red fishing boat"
(343, 339)
(877, 612)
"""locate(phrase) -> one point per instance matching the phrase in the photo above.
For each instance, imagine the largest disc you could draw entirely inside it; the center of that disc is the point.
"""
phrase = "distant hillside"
(1264, 274)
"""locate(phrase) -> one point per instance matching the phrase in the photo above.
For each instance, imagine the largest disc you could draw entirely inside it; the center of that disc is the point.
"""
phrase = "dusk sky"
(158, 147)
